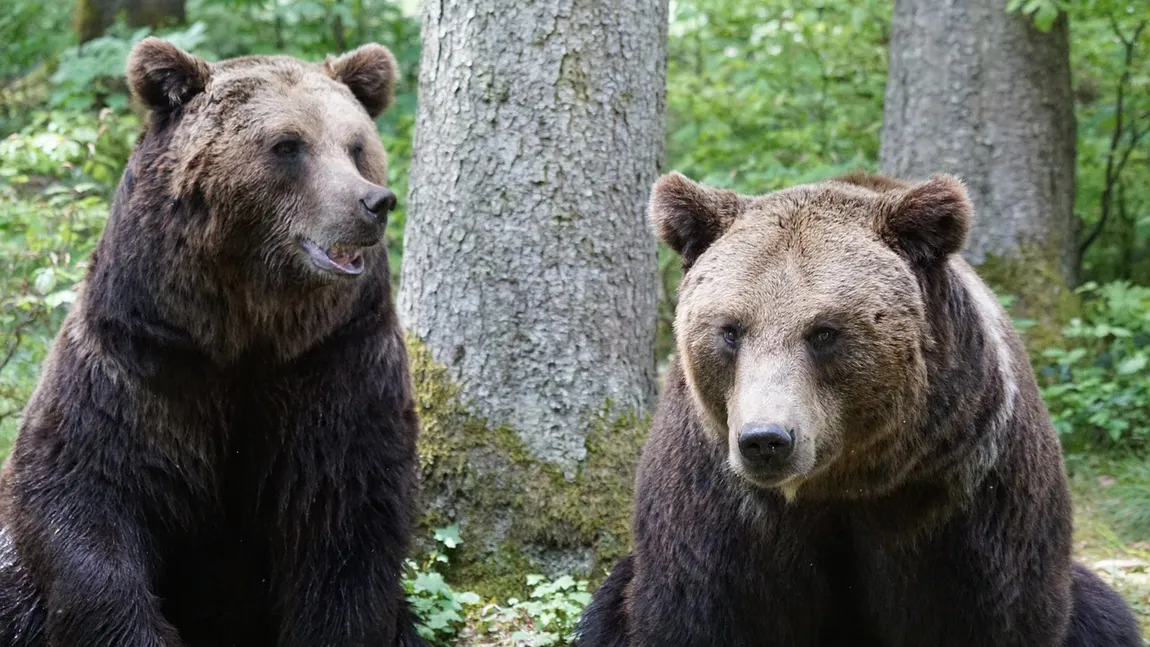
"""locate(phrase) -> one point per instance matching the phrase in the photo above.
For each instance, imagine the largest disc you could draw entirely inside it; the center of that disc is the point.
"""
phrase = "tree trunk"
(529, 272)
(92, 17)
(978, 92)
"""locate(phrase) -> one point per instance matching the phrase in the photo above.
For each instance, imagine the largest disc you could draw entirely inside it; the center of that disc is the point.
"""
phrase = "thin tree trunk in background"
(529, 271)
(983, 94)
(93, 17)
(337, 28)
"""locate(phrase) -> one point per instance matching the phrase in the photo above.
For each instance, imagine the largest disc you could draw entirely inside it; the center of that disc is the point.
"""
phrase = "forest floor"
(1112, 525)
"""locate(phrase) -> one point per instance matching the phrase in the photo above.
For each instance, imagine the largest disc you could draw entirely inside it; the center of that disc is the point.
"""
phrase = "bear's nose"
(379, 201)
(765, 443)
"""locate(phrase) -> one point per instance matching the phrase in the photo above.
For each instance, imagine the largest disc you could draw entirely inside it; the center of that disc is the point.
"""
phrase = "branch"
(1116, 137)
(17, 336)
(1138, 32)
(1118, 31)
(1135, 137)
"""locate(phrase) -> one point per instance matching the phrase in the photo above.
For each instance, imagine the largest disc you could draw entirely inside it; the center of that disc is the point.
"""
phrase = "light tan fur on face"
(284, 98)
(792, 262)
(776, 387)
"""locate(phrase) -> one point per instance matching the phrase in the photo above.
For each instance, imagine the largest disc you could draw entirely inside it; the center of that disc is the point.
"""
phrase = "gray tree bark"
(529, 271)
(983, 94)
(528, 267)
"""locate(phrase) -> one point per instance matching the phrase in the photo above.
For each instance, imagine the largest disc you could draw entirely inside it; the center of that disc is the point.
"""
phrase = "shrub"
(1097, 386)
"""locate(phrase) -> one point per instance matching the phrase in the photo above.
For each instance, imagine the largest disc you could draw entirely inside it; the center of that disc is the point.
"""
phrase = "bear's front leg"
(80, 508)
(94, 577)
(338, 581)
(343, 491)
(105, 601)
(340, 491)
(604, 621)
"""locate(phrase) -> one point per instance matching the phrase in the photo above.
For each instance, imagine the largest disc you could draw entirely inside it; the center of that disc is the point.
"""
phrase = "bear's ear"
(689, 216)
(163, 76)
(370, 71)
(929, 221)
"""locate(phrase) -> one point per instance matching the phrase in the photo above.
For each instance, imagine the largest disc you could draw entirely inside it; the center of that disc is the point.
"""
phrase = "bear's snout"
(765, 448)
(378, 202)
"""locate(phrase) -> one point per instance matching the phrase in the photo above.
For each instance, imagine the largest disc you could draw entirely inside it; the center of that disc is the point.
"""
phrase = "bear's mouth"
(338, 259)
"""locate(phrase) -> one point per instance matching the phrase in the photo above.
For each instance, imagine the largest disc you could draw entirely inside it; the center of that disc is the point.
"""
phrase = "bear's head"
(268, 165)
(801, 327)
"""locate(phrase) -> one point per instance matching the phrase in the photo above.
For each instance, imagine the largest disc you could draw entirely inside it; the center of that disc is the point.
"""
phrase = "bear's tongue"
(337, 258)
(347, 259)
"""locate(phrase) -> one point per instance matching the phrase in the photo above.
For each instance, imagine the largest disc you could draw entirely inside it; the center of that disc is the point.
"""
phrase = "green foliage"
(1098, 387)
(1043, 12)
(72, 147)
(765, 94)
(92, 75)
(549, 616)
(55, 177)
(44, 243)
(438, 606)
(30, 29)
(1110, 58)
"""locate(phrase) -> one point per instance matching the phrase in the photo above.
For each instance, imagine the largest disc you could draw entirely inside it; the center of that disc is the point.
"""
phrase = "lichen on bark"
(518, 514)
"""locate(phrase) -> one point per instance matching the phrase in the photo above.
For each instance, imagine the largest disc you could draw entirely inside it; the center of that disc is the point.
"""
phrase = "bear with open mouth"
(221, 450)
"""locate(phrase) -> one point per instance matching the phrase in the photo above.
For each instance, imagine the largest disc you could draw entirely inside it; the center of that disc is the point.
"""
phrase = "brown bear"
(221, 449)
(850, 448)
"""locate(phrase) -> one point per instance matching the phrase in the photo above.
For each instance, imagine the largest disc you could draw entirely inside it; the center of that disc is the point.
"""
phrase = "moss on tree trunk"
(1035, 280)
(517, 514)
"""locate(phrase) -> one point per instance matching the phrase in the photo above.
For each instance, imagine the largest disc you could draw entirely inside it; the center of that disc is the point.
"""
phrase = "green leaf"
(467, 597)
(1045, 17)
(59, 298)
(1132, 364)
(448, 536)
(45, 280)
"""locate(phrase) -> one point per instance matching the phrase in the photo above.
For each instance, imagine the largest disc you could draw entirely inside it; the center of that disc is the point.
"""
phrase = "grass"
(1112, 525)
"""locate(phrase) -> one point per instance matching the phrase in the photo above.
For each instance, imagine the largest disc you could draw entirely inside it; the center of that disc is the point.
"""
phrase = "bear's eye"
(357, 153)
(731, 336)
(288, 148)
(822, 338)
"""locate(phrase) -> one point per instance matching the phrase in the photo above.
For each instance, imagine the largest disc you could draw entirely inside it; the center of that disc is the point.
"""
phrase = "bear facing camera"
(221, 449)
(850, 448)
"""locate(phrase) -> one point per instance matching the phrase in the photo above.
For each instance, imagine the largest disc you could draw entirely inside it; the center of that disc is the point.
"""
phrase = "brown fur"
(221, 449)
(811, 252)
(360, 70)
(924, 501)
(690, 237)
(163, 77)
(215, 160)
(873, 181)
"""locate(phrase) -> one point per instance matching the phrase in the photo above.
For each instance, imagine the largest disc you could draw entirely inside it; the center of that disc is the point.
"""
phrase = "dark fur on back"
(1100, 617)
(955, 530)
(221, 450)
